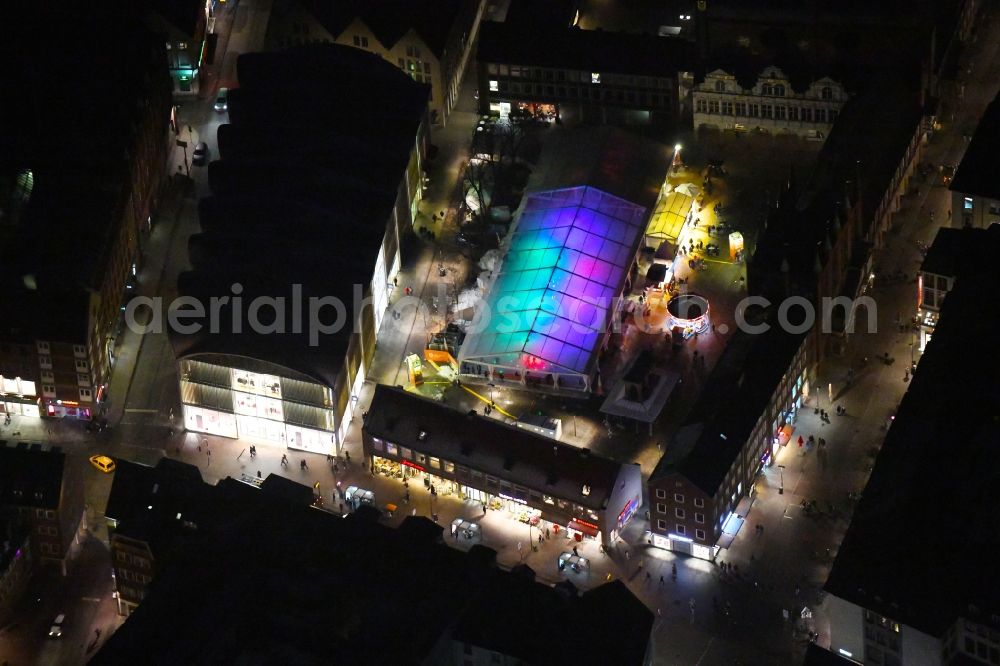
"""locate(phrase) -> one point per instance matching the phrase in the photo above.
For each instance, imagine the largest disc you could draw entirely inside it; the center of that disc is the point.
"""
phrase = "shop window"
(661, 493)
(661, 508)
(661, 525)
(699, 502)
(679, 513)
(699, 534)
(378, 444)
(679, 498)
(391, 449)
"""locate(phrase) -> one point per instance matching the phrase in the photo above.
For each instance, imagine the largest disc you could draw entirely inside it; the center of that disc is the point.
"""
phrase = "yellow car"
(103, 463)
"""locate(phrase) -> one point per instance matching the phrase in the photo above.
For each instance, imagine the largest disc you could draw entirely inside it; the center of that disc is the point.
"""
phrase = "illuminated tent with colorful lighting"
(546, 314)
(669, 215)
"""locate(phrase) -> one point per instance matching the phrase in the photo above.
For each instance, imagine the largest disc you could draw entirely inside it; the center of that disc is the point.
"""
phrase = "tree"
(495, 150)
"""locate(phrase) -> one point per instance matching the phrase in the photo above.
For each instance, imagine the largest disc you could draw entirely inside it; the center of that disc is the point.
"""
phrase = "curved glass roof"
(568, 259)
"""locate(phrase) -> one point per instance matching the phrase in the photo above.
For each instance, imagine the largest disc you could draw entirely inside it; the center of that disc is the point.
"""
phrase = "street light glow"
(677, 147)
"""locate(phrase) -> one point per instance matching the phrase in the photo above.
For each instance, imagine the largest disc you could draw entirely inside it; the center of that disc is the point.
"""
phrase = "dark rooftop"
(290, 204)
(977, 173)
(858, 160)
(584, 50)
(491, 446)
(936, 475)
(30, 475)
(66, 140)
(732, 401)
(953, 247)
(287, 584)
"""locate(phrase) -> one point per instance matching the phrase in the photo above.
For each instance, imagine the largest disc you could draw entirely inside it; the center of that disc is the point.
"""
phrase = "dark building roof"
(584, 50)
(280, 584)
(491, 446)
(69, 135)
(732, 401)
(817, 656)
(525, 615)
(390, 20)
(953, 247)
(858, 161)
(977, 173)
(31, 475)
(291, 205)
(183, 15)
(530, 15)
(169, 504)
(928, 511)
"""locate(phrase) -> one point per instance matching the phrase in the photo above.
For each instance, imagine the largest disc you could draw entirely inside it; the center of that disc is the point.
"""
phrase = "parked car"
(103, 463)
(200, 155)
(222, 100)
(55, 631)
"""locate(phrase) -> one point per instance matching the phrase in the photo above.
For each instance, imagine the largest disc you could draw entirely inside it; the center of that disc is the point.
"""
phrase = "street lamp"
(781, 477)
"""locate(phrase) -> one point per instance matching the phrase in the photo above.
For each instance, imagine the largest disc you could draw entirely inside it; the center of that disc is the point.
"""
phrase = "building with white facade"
(771, 104)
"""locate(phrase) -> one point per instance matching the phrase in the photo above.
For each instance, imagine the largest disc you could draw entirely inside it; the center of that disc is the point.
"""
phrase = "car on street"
(200, 155)
(55, 631)
(103, 463)
(222, 100)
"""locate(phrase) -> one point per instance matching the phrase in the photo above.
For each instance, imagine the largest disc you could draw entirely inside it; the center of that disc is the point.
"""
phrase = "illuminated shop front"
(499, 467)
(685, 545)
(18, 397)
(267, 407)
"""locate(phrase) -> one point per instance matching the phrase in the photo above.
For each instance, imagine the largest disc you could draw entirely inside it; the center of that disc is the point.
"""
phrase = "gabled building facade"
(430, 40)
(772, 104)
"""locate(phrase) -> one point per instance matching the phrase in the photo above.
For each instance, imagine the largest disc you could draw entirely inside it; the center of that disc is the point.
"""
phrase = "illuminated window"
(968, 203)
(182, 45)
(595, 77)
(585, 490)
(494, 86)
